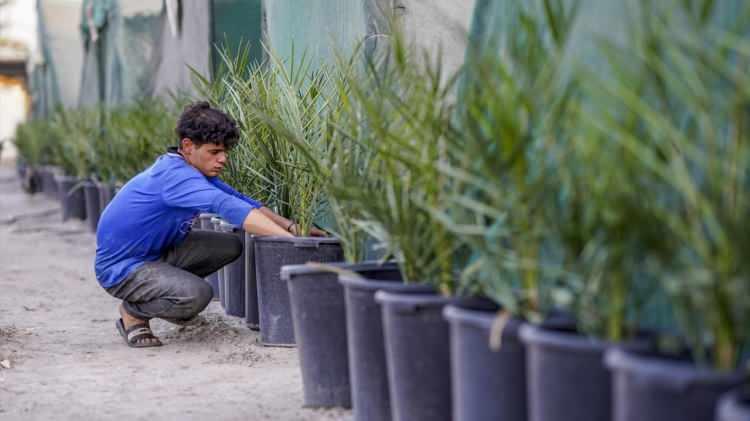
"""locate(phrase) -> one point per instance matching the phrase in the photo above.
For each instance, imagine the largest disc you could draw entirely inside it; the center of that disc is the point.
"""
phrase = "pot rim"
(368, 284)
(667, 372)
(481, 318)
(70, 178)
(288, 271)
(732, 406)
(405, 301)
(531, 335)
(298, 241)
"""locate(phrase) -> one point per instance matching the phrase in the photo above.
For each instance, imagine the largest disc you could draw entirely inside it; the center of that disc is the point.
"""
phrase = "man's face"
(209, 158)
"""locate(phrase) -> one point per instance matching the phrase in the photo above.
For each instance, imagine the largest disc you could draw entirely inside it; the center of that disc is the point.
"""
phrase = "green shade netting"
(316, 30)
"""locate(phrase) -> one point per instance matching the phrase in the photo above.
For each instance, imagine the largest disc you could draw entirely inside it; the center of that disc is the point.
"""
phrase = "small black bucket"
(364, 330)
(271, 253)
(417, 350)
(234, 276)
(93, 211)
(216, 222)
(488, 384)
(49, 185)
(106, 194)
(734, 406)
(72, 199)
(252, 318)
(319, 315)
(651, 388)
(566, 376)
(205, 224)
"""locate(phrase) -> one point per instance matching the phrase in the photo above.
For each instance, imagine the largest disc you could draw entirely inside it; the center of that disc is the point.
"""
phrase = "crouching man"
(147, 255)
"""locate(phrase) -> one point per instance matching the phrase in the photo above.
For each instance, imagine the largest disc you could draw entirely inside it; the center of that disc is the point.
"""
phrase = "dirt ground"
(62, 358)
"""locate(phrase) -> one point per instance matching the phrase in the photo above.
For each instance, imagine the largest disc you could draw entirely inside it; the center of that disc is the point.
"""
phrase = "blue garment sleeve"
(226, 188)
(194, 191)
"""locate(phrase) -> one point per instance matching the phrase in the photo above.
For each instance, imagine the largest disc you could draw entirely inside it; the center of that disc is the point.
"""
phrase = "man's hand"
(314, 232)
(259, 224)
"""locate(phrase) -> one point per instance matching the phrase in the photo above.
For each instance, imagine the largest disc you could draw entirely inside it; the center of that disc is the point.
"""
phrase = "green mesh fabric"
(315, 30)
(43, 83)
(119, 65)
(236, 22)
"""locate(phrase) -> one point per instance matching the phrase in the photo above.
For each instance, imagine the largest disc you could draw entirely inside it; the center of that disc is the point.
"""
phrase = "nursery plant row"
(552, 233)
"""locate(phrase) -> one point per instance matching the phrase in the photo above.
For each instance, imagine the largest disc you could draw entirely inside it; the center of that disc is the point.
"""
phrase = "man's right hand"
(259, 224)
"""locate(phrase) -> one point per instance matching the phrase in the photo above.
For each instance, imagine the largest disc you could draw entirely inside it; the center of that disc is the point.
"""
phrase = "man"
(148, 256)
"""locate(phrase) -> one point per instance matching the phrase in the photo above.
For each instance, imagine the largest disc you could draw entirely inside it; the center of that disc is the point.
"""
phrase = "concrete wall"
(18, 36)
(61, 18)
(429, 25)
(435, 25)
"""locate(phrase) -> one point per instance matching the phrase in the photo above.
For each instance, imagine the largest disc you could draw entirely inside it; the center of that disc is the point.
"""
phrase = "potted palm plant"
(241, 169)
(511, 106)
(399, 111)
(30, 142)
(689, 137)
(76, 130)
(261, 98)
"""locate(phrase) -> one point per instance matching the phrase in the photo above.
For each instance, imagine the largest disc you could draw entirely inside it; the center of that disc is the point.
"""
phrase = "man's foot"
(136, 332)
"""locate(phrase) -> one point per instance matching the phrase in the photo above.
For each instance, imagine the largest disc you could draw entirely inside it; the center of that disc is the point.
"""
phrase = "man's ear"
(186, 145)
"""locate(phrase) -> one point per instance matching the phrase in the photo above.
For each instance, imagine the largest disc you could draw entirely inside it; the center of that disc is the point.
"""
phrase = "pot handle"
(305, 244)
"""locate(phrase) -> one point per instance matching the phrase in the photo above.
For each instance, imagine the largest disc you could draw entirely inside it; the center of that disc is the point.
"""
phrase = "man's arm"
(258, 223)
(226, 188)
(288, 224)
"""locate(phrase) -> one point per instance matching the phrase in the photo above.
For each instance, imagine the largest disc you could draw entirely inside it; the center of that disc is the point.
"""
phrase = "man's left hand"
(315, 232)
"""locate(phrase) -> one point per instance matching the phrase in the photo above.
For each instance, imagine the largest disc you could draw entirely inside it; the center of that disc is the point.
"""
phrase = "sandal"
(134, 336)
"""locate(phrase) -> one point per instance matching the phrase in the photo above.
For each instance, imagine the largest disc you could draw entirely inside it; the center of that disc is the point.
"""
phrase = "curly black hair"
(203, 124)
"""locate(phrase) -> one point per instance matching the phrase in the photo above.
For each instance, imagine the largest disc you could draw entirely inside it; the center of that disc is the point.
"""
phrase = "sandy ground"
(67, 361)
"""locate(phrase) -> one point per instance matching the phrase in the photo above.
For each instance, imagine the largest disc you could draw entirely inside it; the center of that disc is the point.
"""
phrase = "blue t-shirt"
(155, 210)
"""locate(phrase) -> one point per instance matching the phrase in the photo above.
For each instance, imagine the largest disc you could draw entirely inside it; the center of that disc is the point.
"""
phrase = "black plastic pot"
(368, 373)
(650, 388)
(734, 406)
(565, 374)
(271, 253)
(72, 199)
(487, 384)
(49, 185)
(204, 223)
(417, 352)
(40, 175)
(319, 316)
(21, 166)
(31, 180)
(234, 276)
(91, 197)
(106, 194)
(252, 318)
(216, 222)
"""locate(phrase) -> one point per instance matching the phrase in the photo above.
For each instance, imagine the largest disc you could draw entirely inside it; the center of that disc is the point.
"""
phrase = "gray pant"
(173, 287)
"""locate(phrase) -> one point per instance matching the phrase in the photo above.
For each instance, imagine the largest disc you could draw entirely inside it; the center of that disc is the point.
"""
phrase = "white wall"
(14, 103)
(62, 19)
(436, 24)
(18, 24)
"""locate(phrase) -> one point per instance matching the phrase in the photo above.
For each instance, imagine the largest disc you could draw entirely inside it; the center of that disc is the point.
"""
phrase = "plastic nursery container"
(419, 381)
(271, 253)
(234, 276)
(649, 388)
(72, 199)
(364, 329)
(319, 318)
(488, 384)
(557, 356)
